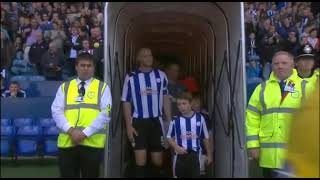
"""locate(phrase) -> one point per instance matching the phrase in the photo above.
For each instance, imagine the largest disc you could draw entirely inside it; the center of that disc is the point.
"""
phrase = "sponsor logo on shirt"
(189, 135)
(149, 91)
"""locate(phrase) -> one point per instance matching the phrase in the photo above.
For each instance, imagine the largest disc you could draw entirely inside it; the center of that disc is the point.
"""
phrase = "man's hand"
(13, 94)
(209, 158)
(254, 153)
(77, 135)
(180, 150)
(130, 132)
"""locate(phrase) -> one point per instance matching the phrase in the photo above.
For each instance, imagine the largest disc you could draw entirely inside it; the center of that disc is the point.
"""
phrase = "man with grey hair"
(269, 113)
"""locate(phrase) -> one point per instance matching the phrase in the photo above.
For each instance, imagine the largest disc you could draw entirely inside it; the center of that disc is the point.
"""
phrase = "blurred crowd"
(44, 38)
(274, 26)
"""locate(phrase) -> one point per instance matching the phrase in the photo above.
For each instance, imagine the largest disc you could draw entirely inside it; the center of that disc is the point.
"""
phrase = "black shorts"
(186, 165)
(150, 134)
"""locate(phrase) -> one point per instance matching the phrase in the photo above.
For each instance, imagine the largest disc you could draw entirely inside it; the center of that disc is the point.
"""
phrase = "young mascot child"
(184, 136)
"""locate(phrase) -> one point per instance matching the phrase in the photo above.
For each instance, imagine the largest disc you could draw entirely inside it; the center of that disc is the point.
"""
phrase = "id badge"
(289, 88)
(79, 99)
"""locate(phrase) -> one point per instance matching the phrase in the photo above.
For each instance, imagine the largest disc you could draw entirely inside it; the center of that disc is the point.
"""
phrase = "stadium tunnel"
(207, 39)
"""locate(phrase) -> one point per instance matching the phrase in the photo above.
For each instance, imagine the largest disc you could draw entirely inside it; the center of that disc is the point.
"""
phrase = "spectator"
(313, 40)
(57, 35)
(20, 66)
(253, 68)
(304, 39)
(291, 44)
(263, 29)
(49, 11)
(37, 50)
(14, 91)
(18, 44)
(284, 28)
(38, 18)
(3, 88)
(7, 50)
(5, 21)
(98, 50)
(84, 24)
(86, 47)
(83, 33)
(51, 63)
(46, 25)
(24, 27)
(30, 34)
(304, 20)
(252, 43)
(63, 9)
(14, 16)
(253, 73)
(72, 46)
(56, 6)
(55, 17)
(270, 44)
(272, 12)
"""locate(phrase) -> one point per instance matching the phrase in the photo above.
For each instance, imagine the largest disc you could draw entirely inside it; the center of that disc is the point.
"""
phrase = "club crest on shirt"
(91, 94)
(295, 94)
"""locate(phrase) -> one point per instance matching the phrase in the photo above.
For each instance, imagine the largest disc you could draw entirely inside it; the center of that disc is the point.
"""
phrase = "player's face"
(145, 58)
(195, 104)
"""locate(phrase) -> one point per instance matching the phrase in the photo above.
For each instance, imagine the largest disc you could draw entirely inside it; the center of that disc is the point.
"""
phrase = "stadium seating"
(27, 140)
(21, 122)
(50, 136)
(34, 132)
(7, 139)
(5, 122)
(46, 122)
(37, 107)
(28, 78)
(36, 78)
(19, 78)
(40, 88)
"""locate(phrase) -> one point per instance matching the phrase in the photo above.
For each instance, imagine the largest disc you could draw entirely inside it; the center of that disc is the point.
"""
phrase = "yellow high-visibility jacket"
(82, 114)
(268, 120)
(312, 83)
(303, 147)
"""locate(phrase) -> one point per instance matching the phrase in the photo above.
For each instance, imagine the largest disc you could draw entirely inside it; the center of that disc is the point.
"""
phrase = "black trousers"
(187, 165)
(80, 161)
(268, 173)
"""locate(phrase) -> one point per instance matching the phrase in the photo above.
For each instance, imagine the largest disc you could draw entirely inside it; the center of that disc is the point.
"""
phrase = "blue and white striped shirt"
(145, 90)
(188, 131)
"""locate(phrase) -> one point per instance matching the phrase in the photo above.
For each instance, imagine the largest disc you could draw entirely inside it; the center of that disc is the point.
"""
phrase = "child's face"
(13, 88)
(184, 106)
(195, 104)
(85, 44)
